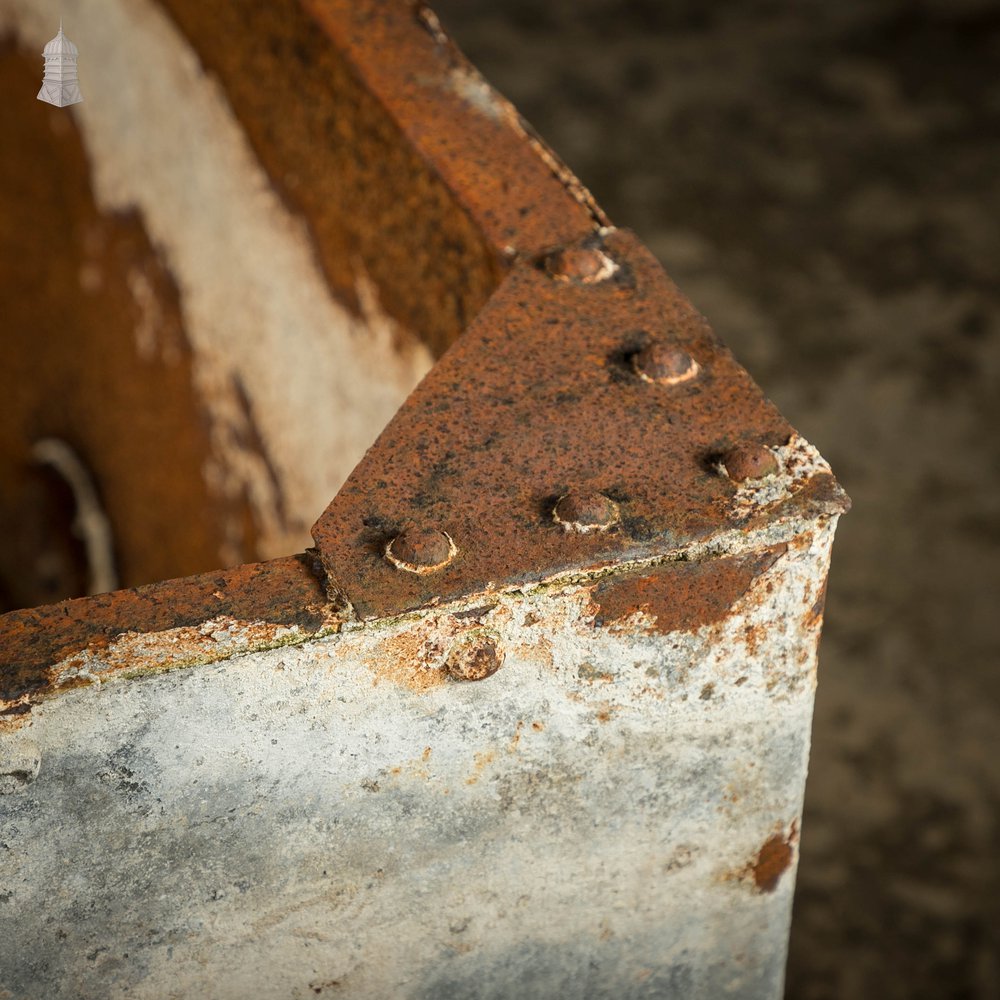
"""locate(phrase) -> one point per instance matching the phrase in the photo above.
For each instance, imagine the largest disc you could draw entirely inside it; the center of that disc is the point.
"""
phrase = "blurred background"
(823, 181)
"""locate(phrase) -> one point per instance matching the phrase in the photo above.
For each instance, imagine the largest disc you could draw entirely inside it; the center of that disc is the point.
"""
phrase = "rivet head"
(585, 265)
(474, 659)
(749, 461)
(585, 512)
(664, 364)
(421, 550)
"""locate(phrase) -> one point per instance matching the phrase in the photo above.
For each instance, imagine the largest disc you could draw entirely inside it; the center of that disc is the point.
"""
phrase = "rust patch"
(411, 659)
(772, 862)
(415, 767)
(539, 651)
(482, 759)
(774, 858)
(753, 636)
(538, 399)
(516, 738)
(390, 160)
(95, 355)
(681, 596)
(283, 593)
(515, 187)
(814, 616)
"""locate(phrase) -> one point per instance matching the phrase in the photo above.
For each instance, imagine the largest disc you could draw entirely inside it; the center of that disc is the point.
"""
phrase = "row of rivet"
(426, 550)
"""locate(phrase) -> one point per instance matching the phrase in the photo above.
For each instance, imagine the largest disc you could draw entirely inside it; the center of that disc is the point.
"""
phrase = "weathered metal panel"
(613, 813)
(533, 719)
(541, 398)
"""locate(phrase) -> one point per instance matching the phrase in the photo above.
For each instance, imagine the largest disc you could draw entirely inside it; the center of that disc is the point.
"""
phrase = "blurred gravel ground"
(823, 180)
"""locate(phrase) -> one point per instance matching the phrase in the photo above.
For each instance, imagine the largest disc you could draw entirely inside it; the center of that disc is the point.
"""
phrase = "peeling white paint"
(161, 139)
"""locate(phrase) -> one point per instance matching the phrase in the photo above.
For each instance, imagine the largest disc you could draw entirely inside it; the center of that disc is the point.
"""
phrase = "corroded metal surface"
(680, 595)
(407, 183)
(539, 399)
(164, 625)
(613, 813)
(519, 193)
(411, 165)
(533, 720)
(92, 333)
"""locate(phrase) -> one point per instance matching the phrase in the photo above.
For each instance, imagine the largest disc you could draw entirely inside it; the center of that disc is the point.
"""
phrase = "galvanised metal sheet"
(613, 813)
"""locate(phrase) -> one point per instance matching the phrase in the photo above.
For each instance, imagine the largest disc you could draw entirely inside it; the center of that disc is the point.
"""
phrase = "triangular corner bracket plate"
(540, 397)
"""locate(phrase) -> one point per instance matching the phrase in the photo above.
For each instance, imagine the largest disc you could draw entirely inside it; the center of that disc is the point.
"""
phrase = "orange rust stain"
(483, 760)
(516, 738)
(753, 637)
(404, 660)
(415, 767)
(814, 616)
(803, 542)
(772, 862)
(12, 722)
(537, 726)
(682, 596)
(539, 651)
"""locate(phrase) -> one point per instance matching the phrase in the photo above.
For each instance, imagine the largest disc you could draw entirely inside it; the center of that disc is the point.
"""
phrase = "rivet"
(421, 550)
(474, 659)
(749, 461)
(664, 364)
(585, 512)
(585, 265)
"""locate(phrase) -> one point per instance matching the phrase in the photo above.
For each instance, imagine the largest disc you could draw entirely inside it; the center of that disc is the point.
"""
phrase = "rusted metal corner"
(587, 378)
(586, 420)
(533, 718)
(513, 185)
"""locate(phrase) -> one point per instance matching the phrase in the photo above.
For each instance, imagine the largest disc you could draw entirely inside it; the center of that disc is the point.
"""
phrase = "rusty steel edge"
(515, 188)
(197, 620)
